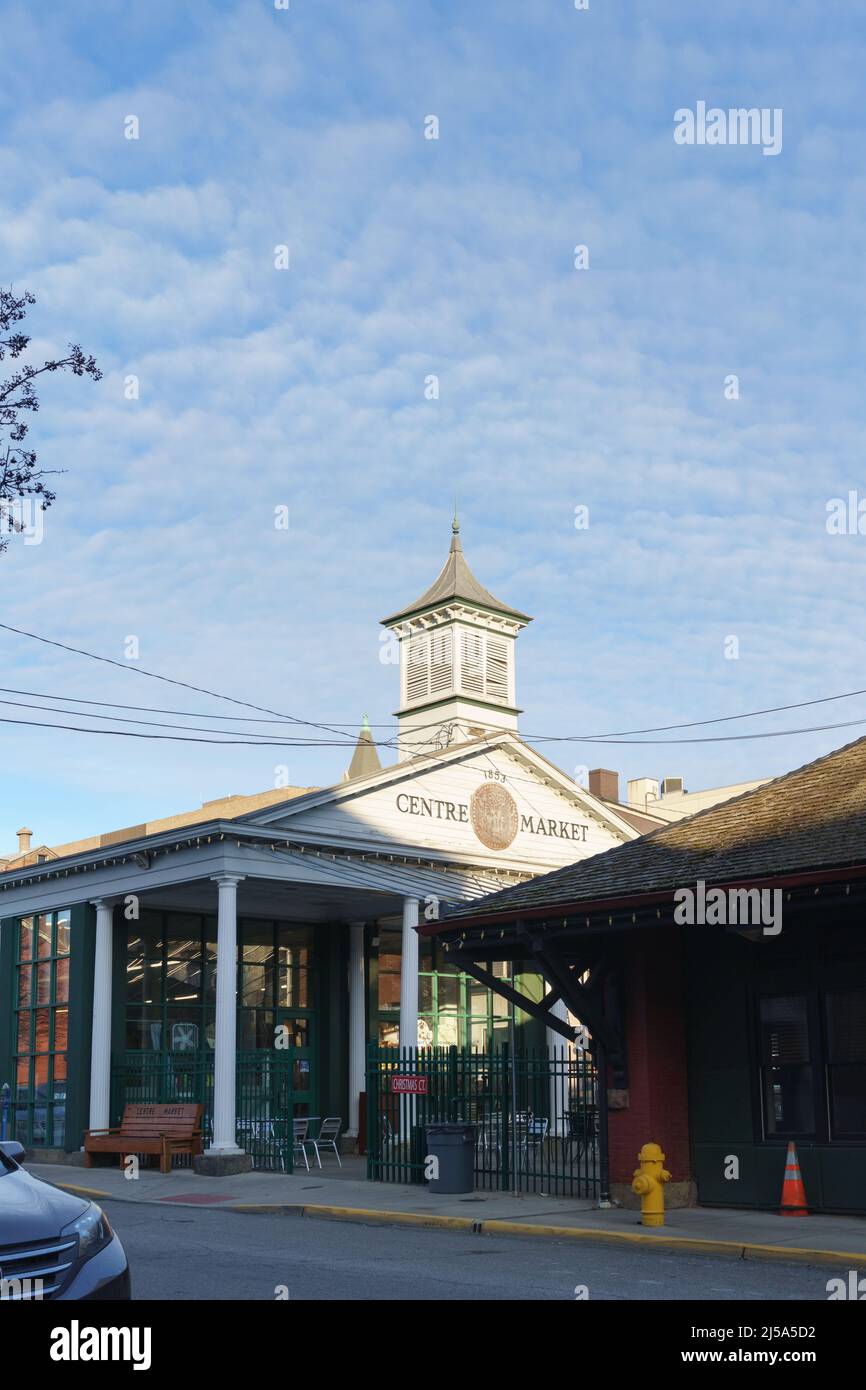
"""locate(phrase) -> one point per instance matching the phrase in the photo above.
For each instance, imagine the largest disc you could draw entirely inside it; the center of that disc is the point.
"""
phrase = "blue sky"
(408, 257)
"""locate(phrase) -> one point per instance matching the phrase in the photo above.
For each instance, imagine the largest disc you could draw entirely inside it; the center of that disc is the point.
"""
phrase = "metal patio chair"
(581, 1130)
(489, 1134)
(299, 1140)
(532, 1139)
(389, 1137)
(249, 1135)
(327, 1137)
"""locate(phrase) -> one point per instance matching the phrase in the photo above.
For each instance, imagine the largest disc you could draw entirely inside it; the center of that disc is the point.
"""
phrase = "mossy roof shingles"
(814, 817)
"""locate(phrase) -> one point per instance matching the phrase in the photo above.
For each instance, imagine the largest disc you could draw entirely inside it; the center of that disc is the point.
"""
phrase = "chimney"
(605, 784)
(23, 840)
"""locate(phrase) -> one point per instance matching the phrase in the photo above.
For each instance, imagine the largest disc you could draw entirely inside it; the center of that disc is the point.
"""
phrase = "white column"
(558, 1047)
(100, 1045)
(357, 1023)
(225, 1042)
(409, 975)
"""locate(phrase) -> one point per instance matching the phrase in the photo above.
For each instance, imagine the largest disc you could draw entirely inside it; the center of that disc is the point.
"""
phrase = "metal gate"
(535, 1115)
(264, 1095)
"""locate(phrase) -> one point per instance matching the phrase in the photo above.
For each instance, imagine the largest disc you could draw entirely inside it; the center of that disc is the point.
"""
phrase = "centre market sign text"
(492, 812)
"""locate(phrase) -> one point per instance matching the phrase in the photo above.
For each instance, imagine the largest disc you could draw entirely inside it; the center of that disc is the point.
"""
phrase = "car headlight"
(93, 1230)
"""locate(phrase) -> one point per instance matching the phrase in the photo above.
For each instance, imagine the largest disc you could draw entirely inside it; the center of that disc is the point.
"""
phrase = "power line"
(169, 680)
(174, 738)
(260, 741)
(160, 724)
(697, 723)
(338, 725)
(619, 737)
(713, 738)
(156, 709)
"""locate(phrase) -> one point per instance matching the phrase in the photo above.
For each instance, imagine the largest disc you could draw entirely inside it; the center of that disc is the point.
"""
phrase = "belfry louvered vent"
(497, 669)
(472, 662)
(417, 668)
(441, 662)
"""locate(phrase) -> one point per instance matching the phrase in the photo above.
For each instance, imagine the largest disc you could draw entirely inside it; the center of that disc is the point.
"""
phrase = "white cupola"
(456, 660)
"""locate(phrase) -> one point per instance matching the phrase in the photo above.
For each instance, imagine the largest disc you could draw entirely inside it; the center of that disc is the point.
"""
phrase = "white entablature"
(459, 612)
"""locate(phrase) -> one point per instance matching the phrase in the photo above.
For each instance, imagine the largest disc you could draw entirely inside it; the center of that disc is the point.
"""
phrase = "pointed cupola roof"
(365, 759)
(456, 581)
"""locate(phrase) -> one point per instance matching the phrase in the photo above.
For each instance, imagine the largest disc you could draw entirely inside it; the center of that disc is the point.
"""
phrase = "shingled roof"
(456, 581)
(812, 818)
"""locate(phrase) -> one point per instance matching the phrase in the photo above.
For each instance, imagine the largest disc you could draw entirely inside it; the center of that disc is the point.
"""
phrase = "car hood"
(31, 1209)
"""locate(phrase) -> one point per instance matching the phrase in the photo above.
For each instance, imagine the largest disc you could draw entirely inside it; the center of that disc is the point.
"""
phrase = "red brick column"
(654, 1019)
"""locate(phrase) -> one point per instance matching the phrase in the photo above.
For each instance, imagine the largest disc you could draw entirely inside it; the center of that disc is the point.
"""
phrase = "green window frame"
(41, 1028)
(453, 1008)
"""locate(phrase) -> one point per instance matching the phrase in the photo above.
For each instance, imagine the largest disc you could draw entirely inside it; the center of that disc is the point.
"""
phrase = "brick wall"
(654, 1016)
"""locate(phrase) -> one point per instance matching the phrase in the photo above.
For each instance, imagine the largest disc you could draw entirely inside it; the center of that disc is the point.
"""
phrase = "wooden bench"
(149, 1129)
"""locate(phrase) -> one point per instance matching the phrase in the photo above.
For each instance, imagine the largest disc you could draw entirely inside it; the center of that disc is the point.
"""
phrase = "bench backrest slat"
(151, 1120)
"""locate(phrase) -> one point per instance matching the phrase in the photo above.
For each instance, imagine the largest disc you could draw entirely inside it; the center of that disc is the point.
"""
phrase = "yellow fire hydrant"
(648, 1184)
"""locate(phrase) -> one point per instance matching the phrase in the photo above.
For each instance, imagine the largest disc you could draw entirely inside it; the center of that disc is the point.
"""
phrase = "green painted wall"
(725, 974)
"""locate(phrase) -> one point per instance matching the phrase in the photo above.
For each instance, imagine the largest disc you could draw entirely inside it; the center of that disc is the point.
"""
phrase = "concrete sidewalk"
(742, 1234)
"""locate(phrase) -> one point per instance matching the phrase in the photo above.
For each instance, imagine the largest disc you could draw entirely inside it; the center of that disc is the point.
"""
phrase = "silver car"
(53, 1244)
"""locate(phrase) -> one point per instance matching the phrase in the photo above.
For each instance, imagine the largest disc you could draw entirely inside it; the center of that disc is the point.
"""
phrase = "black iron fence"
(264, 1095)
(534, 1113)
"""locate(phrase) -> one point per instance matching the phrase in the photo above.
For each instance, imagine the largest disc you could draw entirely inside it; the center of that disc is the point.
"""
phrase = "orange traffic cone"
(793, 1191)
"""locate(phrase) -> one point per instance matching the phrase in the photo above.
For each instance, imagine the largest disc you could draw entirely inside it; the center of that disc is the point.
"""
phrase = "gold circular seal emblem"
(493, 812)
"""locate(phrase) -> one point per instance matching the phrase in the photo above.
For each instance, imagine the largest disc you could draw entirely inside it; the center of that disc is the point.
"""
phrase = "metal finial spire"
(455, 525)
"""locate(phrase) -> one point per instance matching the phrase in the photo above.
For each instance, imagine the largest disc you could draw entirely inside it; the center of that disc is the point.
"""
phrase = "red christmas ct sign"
(409, 1085)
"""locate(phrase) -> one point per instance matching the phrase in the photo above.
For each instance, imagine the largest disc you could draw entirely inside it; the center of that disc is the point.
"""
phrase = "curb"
(365, 1215)
(690, 1244)
(86, 1191)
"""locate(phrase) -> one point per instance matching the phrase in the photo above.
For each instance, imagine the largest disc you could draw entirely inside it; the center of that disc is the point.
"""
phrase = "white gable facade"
(494, 804)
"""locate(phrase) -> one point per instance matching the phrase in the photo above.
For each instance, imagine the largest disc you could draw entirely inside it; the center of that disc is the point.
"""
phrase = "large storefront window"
(453, 1009)
(171, 983)
(456, 1011)
(41, 1029)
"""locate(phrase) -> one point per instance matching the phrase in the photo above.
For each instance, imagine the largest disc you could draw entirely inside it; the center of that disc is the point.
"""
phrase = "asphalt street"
(183, 1253)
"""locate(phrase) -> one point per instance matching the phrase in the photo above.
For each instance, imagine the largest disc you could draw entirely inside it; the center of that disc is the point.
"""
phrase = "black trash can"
(454, 1148)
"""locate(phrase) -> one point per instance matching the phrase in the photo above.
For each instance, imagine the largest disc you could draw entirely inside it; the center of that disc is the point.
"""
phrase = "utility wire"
(623, 736)
(160, 724)
(697, 723)
(170, 680)
(174, 738)
(260, 741)
(712, 738)
(155, 709)
(337, 727)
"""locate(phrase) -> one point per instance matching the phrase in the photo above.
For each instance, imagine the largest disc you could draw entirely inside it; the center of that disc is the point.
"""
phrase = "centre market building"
(160, 953)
